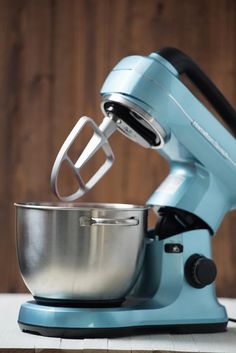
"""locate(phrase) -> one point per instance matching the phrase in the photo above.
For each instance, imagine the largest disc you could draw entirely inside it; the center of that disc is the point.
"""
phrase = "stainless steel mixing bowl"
(80, 252)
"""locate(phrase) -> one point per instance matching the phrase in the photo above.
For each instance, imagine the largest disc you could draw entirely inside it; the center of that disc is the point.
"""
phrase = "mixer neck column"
(189, 187)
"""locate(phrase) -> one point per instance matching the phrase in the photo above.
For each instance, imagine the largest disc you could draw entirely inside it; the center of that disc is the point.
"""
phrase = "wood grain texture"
(54, 56)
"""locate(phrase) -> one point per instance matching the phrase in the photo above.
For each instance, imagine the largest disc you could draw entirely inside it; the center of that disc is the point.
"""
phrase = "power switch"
(174, 248)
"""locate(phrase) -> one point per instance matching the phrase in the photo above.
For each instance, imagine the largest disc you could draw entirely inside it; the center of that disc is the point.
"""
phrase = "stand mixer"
(144, 98)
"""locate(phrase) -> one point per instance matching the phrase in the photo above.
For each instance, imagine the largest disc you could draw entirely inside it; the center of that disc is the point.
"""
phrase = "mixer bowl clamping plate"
(95, 270)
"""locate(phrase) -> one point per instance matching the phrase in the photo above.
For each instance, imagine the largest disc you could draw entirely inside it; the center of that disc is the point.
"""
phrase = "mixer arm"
(185, 65)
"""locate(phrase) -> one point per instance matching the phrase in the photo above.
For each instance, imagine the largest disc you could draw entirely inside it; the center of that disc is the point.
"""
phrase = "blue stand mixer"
(144, 98)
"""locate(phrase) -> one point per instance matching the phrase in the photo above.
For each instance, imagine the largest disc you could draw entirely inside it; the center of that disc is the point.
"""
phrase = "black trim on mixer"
(79, 303)
(173, 221)
(185, 65)
(121, 331)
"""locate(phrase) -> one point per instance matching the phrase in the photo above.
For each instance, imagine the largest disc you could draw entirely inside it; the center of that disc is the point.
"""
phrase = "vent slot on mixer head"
(132, 124)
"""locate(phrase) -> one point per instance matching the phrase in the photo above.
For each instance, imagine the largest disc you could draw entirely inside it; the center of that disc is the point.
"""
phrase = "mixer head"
(144, 99)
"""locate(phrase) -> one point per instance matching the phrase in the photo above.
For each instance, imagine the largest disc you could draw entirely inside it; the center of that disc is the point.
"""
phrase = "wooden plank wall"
(54, 56)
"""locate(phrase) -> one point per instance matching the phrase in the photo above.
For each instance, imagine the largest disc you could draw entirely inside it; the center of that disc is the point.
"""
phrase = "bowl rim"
(81, 206)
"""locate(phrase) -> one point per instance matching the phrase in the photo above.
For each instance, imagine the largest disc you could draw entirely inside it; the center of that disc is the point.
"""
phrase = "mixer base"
(121, 331)
(132, 318)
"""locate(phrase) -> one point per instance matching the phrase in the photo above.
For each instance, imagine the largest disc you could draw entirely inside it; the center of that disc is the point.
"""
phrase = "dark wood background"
(54, 56)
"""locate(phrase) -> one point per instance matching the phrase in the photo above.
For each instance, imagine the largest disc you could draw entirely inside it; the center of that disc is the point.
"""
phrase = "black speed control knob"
(200, 271)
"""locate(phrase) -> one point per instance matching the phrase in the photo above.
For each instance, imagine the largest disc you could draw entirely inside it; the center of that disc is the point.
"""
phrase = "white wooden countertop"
(13, 340)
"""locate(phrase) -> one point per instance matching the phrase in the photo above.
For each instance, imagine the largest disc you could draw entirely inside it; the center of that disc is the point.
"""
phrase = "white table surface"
(13, 340)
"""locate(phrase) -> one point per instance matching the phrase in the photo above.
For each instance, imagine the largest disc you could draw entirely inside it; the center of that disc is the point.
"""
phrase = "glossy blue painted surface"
(202, 157)
(171, 299)
(197, 146)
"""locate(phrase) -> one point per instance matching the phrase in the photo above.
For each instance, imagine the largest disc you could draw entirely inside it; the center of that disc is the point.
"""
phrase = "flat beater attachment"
(98, 140)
